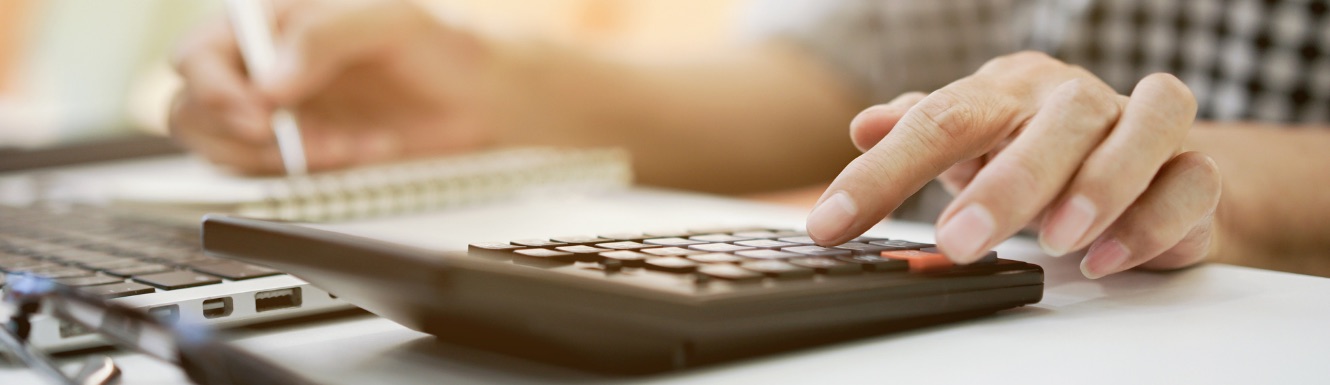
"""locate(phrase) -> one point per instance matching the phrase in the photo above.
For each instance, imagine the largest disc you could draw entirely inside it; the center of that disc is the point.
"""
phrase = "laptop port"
(168, 313)
(217, 307)
(277, 299)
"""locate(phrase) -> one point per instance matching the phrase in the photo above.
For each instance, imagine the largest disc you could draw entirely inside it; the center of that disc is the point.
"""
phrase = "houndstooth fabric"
(1257, 60)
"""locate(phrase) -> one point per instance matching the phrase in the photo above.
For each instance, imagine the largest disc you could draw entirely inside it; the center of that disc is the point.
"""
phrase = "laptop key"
(117, 290)
(92, 280)
(179, 279)
(235, 271)
(139, 269)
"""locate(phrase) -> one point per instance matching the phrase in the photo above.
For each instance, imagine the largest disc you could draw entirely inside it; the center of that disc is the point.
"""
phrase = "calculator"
(639, 302)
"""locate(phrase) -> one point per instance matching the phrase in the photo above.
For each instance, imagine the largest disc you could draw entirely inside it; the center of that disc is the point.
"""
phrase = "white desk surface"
(1213, 324)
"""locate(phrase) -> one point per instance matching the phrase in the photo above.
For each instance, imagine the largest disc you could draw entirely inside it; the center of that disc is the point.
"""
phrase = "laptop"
(141, 261)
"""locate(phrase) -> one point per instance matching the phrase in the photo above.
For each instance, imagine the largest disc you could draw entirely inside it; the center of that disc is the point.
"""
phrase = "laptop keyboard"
(110, 253)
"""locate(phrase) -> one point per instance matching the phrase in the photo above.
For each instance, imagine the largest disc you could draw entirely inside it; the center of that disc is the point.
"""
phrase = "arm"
(1275, 209)
(750, 119)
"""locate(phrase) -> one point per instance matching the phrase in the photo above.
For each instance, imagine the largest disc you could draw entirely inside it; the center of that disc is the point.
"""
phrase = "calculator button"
(988, 258)
(876, 262)
(719, 247)
(627, 258)
(866, 239)
(921, 261)
(717, 238)
(543, 257)
(896, 244)
(179, 279)
(863, 248)
(789, 233)
(777, 269)
(766, 244)
(581, 249)
(579, 240)
(493, 246)
(671, 265)
(730, 273)
(624, 245)
(671, 252)
(803, 240)
(538, 243)
(716, 258)
(765, 254)
(674, 241)
(826, 265)
(816, 251)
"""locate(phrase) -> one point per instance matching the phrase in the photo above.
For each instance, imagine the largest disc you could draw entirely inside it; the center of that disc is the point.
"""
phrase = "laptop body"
(44, 233)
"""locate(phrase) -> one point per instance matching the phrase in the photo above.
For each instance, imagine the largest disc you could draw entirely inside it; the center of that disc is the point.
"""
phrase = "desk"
(1210, 324)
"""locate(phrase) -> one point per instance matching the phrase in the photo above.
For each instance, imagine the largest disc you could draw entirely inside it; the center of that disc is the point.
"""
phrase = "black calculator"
(639, 302)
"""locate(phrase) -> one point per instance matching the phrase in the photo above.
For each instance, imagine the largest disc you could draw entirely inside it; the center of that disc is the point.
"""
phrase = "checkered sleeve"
(887, 47)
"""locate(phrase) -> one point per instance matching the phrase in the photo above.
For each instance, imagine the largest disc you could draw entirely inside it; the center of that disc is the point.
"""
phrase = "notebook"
(379, 190)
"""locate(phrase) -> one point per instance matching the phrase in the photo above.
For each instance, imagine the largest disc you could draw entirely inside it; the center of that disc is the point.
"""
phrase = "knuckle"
(1023, 61)
(1090, 97)
(946, 117)
(1023, 174)
(872, 170)
(1170, 87)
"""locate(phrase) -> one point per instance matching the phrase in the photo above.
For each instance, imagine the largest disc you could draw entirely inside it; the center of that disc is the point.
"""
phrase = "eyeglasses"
(205, 359)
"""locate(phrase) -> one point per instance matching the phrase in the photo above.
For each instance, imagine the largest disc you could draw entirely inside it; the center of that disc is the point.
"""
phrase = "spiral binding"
(442, 183)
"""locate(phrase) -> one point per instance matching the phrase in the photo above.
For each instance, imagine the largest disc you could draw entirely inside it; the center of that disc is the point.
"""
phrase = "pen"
(249, 20)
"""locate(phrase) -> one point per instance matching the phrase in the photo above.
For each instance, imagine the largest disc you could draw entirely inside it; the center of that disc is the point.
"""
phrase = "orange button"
(921, 261)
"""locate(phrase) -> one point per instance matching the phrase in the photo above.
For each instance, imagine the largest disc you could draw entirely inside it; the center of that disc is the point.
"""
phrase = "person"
(1074, 120)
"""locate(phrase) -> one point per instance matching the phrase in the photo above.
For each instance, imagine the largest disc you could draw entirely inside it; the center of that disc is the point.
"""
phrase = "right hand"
(367, 80)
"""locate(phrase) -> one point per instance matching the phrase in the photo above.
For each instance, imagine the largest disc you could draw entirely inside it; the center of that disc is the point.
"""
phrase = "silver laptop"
(136, 260)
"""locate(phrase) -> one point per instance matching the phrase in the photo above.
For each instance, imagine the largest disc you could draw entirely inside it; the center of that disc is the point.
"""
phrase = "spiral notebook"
(381, 190)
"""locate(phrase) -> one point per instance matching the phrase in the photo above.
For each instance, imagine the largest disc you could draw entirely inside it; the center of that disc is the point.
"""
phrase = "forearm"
(1275, 208)
(739, 121)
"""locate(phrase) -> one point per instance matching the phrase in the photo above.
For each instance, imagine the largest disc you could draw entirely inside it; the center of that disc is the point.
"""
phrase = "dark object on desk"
(682, 308)
(13, 159)
(194, 348)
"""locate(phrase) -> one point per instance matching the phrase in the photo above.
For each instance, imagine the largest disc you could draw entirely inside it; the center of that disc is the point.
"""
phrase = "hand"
(368, 81)
(1030, 140)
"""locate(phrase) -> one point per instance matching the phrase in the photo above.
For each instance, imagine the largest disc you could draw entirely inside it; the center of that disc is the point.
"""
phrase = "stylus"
(250, 21)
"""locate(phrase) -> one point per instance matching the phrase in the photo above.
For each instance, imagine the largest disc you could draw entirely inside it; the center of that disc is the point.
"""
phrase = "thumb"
(873, 124)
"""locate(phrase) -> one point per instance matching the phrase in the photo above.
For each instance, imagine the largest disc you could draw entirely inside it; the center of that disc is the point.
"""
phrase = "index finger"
(956, 123)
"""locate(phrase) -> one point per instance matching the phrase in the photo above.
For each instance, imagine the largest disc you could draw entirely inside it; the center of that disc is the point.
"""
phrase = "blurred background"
(78, 70)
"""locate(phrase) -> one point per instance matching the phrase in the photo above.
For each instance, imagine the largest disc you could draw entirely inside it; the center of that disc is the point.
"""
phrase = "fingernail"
(964, 236)
(1104, 258)
(1068, 225)
(865, 113)
(830, 219)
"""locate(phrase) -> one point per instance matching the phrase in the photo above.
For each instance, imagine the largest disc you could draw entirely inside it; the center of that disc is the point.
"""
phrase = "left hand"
(1030, 140)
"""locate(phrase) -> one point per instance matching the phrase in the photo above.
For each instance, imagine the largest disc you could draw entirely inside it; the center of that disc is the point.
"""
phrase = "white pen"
(250, 21)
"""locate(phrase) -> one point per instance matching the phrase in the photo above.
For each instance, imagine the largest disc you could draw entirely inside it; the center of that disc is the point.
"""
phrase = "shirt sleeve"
(883, 48)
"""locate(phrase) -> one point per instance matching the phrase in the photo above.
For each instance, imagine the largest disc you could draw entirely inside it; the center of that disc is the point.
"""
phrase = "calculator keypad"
(735, 256)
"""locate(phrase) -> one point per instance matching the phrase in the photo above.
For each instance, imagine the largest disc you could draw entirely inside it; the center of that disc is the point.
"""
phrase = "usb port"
(217, 307)
(167, 313)
(277, 299)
